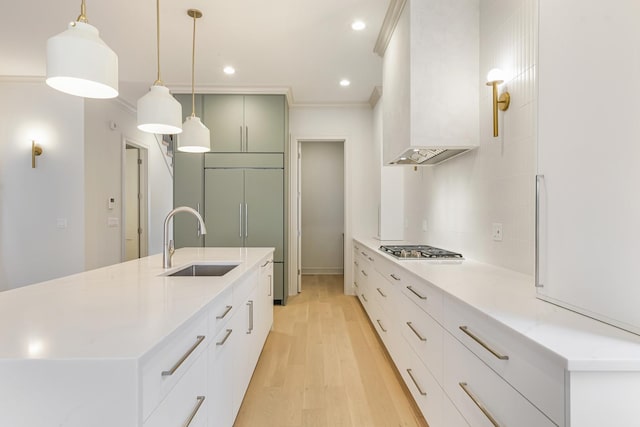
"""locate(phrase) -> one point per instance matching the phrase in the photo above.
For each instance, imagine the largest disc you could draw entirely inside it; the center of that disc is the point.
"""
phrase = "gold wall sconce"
(36, 150)
(494, 78)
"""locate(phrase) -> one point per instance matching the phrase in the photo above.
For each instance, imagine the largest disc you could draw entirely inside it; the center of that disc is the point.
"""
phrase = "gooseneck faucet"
(167, 245)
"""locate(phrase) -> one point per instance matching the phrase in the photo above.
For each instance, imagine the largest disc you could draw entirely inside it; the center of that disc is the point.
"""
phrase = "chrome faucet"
(168, 248)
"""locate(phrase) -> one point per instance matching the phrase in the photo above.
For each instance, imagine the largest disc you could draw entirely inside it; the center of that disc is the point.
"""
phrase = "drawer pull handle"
(422, 297)
(356, 263)
(370, 259)
(365, 274)
(364, 298)
(380, 292)
(226, 337)
(363, 253)
(410, 372)
(479, 404)
(420, 337)
(380, 324)
(267, 262)
(483, 344)
(394, 277)
(250, 305)
(355, 284)
(175, 367)
(195, 411)
(223, 315)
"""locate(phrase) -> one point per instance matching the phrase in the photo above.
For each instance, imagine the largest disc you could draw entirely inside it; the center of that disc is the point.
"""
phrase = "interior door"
(132, 203)
(224, 207)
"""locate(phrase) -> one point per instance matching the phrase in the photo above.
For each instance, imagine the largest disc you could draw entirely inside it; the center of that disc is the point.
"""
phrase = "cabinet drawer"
(385, 293)
(534, 371)
(243, 288)
(426, 296)
(481, 395)
(425, 390)
(164, 367)
(187, 401)
(221, 311)
(424, 335)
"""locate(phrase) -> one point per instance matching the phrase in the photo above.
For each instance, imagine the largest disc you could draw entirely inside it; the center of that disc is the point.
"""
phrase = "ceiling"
(300, 47)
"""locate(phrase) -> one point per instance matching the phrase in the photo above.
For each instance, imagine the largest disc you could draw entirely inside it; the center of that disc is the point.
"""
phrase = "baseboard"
(321, 270)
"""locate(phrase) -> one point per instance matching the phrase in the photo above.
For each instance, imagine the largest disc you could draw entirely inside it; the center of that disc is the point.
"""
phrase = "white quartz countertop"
(510, 298)
(120, 311)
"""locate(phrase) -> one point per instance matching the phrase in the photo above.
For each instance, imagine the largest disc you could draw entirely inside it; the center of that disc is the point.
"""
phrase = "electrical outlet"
(496, 231)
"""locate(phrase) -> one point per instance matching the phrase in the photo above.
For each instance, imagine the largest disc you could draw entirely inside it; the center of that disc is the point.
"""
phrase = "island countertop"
(120, 311)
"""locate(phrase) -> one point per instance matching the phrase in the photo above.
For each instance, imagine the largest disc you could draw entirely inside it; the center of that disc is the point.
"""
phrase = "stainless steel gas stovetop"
(420, 252)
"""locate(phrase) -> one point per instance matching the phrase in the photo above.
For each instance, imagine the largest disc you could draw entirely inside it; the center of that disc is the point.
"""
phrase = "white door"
(132, 203)
(299, 220)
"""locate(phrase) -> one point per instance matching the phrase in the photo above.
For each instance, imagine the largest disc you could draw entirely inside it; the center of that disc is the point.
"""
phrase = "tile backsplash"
(454, 204)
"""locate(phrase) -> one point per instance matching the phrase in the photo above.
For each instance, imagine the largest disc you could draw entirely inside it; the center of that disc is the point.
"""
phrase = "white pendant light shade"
(195, 136)
(159, 112)
(81, 64)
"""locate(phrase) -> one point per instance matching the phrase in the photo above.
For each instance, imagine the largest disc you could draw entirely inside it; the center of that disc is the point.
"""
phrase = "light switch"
(111, 202)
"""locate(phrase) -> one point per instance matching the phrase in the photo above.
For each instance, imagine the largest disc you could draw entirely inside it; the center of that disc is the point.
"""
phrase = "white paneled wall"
(461, 198)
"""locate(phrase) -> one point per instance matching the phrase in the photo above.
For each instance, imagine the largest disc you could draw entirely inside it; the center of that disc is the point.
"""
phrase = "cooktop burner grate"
(419, 252)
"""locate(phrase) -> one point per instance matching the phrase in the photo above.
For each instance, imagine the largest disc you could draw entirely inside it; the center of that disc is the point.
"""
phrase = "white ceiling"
(302, 46)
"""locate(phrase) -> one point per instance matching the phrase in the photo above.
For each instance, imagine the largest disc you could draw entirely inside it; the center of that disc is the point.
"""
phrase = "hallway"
(323, 365)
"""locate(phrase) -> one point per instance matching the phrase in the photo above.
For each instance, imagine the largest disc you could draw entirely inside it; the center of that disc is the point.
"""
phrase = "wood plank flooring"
(323, 365)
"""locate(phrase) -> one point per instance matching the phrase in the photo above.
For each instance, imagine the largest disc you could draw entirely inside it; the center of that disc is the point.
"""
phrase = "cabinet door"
(264, 118)
(224, 207)
(188, 182)
(588, 153)
(224, 116)
(220, 376)
(264, 209)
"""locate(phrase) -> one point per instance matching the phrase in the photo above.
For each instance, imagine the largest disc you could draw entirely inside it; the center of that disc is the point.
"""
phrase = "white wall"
(103, 176)
(355, 126)
(462, 197)
(32, 246)
(322, 207)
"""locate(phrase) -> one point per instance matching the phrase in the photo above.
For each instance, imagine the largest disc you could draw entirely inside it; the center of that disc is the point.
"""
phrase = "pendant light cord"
(193, 68)
(83, 13)
(158, 81)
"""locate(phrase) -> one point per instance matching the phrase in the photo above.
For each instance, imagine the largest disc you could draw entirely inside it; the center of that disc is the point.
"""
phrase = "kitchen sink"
(197, 270)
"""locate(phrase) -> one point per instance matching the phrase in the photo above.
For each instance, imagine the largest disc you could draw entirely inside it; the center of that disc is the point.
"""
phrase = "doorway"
(135, 202)
(320, 208)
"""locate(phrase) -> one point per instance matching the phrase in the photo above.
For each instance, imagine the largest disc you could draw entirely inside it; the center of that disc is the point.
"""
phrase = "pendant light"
(80, 63)
(195, 135)
(158, 111)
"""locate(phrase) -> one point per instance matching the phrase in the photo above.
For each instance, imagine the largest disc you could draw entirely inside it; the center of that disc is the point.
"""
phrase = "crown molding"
(389, 25)
(376, 94)
(250, 90)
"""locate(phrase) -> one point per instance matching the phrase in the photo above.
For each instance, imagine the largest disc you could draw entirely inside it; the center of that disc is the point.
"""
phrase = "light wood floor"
(323, 365)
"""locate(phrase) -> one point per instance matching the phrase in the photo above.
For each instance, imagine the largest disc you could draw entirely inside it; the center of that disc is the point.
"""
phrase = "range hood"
(428, 156)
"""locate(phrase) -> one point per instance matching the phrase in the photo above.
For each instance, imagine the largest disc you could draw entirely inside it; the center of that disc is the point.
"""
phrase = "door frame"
(144, 192)
(294, 226)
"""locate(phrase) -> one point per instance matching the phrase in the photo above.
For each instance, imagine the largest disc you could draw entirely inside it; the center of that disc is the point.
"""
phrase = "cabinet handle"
(356, 263)
(240, 220)
(267, 262)
(355, 284)
(175, 367)
(420, 337)
(474, 337)
(270, 285)
(246, 220)
(241, 140)
(195, 411)
(363, 253)
(410, 372)
(537, 248)
(416, 293)
(226, 311)
(381, 327)
(370, 259)
(246, 138)
(226, 337)
(479, 404)
(394, 277)
(364, 298)
(380, 292)
(365, 274)
(250, 304)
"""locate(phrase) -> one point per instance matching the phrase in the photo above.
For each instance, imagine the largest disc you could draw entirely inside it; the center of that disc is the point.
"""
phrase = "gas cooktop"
(420, 252)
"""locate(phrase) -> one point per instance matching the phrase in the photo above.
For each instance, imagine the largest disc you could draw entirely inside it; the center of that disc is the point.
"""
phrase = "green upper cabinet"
(246, 123)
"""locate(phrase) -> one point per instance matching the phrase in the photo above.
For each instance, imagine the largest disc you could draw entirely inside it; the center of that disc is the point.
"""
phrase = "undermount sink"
(197, 270)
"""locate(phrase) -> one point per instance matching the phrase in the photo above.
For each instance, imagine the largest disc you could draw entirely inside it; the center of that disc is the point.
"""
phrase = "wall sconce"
(494, 78)
(36, 150)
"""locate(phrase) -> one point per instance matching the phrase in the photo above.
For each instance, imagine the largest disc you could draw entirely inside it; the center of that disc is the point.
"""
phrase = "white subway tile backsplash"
(462, 197)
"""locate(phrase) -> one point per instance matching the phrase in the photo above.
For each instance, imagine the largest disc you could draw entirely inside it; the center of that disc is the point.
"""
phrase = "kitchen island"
(128, 345)
(476, 347)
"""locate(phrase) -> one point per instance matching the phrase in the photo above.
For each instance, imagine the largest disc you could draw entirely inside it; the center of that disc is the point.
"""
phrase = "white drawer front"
(243, 288)
(186, 402)
(167, 364)
(424, 335)
(532, 370)
(472, 385)
(221, 311)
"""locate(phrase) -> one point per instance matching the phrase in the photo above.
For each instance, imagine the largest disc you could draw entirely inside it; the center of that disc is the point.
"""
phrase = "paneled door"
(264, 213)
(224, 207)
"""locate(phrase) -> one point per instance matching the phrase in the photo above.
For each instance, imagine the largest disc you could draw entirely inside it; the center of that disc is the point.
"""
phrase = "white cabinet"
(220, 376)
(588, 156)
(430, 78)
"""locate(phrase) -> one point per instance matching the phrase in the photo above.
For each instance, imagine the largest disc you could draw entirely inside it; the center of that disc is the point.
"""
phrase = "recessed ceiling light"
(344, 82)
(229, 70)
(358, 25)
